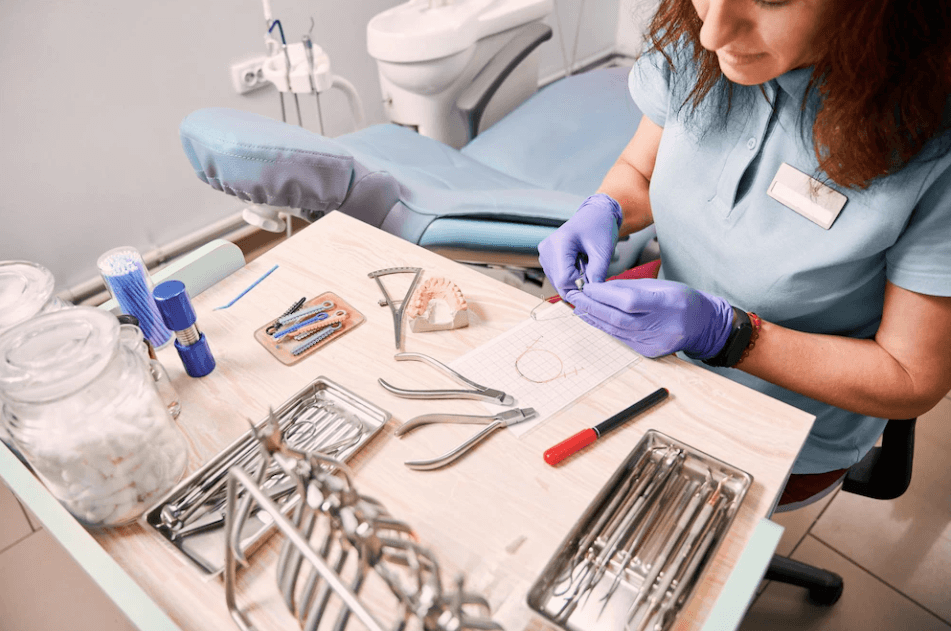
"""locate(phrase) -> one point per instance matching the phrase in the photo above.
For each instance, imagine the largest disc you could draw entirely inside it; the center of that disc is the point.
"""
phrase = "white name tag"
(806, 195)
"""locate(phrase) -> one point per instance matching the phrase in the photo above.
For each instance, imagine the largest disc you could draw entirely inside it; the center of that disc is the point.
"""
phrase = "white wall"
(633, 17)
(94, 92)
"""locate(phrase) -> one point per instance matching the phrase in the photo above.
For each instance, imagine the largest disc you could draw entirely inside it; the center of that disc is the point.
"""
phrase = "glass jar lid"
(55, 354)
(25, 288)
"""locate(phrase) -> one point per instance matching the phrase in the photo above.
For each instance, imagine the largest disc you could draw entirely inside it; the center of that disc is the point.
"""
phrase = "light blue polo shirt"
(720, 232)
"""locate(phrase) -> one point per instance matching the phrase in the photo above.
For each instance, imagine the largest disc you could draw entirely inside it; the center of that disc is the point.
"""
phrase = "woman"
(794, 158)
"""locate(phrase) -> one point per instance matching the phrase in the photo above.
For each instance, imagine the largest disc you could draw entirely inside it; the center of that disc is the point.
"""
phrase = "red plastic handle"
(567, 447)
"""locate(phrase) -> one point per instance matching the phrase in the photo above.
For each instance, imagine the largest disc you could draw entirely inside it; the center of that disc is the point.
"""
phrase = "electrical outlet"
(248, 75)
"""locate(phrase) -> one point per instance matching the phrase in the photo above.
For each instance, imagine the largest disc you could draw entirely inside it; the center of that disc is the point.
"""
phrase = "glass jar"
(132, 336)
(26, 290)
(81, 406)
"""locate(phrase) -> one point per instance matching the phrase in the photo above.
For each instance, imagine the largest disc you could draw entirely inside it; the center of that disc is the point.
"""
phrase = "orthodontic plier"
(478, 392)
(492, 423)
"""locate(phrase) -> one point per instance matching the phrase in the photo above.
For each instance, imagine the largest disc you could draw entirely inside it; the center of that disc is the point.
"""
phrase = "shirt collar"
(794, 82)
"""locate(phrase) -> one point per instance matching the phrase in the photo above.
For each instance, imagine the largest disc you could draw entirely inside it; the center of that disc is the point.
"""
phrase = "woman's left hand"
(656, 317)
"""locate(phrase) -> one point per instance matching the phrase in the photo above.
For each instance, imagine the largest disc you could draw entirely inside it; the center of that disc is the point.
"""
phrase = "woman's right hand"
(593, 232)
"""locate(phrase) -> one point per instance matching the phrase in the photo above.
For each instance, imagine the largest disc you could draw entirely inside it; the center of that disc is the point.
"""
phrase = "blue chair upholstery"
(497, 197)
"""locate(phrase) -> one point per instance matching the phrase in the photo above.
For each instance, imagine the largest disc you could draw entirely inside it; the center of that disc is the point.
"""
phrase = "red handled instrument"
(587, 436)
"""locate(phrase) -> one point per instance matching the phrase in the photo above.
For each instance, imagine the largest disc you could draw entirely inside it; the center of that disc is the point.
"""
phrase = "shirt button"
(751, 144)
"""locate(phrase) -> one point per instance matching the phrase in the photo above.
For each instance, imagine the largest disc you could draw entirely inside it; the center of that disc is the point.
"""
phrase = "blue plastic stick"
(253, 285)
(125, 276)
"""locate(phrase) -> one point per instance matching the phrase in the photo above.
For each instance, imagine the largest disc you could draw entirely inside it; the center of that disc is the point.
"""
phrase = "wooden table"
(498, 514)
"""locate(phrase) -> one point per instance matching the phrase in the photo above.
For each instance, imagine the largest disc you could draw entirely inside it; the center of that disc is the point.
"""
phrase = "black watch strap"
(740, 334)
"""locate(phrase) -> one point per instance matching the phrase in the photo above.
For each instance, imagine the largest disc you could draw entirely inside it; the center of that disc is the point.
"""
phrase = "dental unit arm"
(492, 201)
(309, 73)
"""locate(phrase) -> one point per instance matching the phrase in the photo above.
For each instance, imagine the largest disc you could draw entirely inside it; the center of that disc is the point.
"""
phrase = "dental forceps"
(502, 419)
(478, 392)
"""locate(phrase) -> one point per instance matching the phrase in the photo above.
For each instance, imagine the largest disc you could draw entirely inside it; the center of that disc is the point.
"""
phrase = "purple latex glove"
(657, 317)
(593, 232)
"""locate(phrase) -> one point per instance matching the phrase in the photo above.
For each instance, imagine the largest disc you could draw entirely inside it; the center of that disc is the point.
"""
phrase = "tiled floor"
(895, 558)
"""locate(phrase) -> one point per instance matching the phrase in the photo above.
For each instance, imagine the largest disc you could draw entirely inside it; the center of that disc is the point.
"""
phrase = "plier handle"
(492, 423)
(478, 392)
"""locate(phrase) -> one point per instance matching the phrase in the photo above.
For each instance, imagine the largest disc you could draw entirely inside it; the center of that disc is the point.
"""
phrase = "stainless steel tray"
(322, 402)
(633, 559)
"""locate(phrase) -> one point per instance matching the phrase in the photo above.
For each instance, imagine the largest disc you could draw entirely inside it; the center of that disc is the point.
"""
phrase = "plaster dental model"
(437, 306)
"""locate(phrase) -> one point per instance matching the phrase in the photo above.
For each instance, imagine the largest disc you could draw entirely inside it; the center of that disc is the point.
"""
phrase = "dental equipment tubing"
(304, 68)
(287, 71)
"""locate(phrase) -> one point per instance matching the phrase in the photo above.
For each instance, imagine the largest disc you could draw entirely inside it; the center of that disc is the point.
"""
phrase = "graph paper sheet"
(546, 364)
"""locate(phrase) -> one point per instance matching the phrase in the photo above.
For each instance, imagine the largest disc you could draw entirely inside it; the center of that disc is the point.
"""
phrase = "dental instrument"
(321, 418)
(634, 558)
(334, 525)
(287, 72)
(478, 392)
(309, 50)
(492, 423)
(389, 302)
(687, 548)
(303, 68)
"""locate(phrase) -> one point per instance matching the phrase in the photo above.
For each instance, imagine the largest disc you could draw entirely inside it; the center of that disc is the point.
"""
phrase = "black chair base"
(824, 587)
(884, 474)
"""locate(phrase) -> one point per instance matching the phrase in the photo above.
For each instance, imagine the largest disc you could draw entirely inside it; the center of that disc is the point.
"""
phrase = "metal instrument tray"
(634, 557)
(206, 549)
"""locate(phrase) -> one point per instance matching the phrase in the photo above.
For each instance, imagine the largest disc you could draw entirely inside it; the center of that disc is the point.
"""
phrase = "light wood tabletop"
(500, 513)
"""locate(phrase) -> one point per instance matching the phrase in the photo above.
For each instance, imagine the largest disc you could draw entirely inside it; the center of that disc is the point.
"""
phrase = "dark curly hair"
(881, 81)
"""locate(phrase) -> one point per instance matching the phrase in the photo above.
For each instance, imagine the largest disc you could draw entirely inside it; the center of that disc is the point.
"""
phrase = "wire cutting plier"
(478, 392)
(492, 423)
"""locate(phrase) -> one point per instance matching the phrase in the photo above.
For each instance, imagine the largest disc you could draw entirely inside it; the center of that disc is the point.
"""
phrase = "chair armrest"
(885, 472)
(474, 99)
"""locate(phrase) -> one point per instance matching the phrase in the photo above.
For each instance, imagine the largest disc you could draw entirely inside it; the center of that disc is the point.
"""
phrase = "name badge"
(806, 195)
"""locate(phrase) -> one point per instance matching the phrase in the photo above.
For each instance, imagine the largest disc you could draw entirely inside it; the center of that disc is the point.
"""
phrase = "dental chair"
(490, 202)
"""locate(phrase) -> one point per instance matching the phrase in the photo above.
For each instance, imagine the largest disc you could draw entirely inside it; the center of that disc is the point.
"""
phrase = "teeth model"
(438, 305)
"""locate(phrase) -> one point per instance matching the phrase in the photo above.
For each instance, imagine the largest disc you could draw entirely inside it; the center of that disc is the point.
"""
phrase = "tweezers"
(492, 423)
(478, 392)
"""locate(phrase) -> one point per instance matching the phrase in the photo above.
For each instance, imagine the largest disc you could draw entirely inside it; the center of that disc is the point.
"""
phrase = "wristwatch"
(740, 335)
